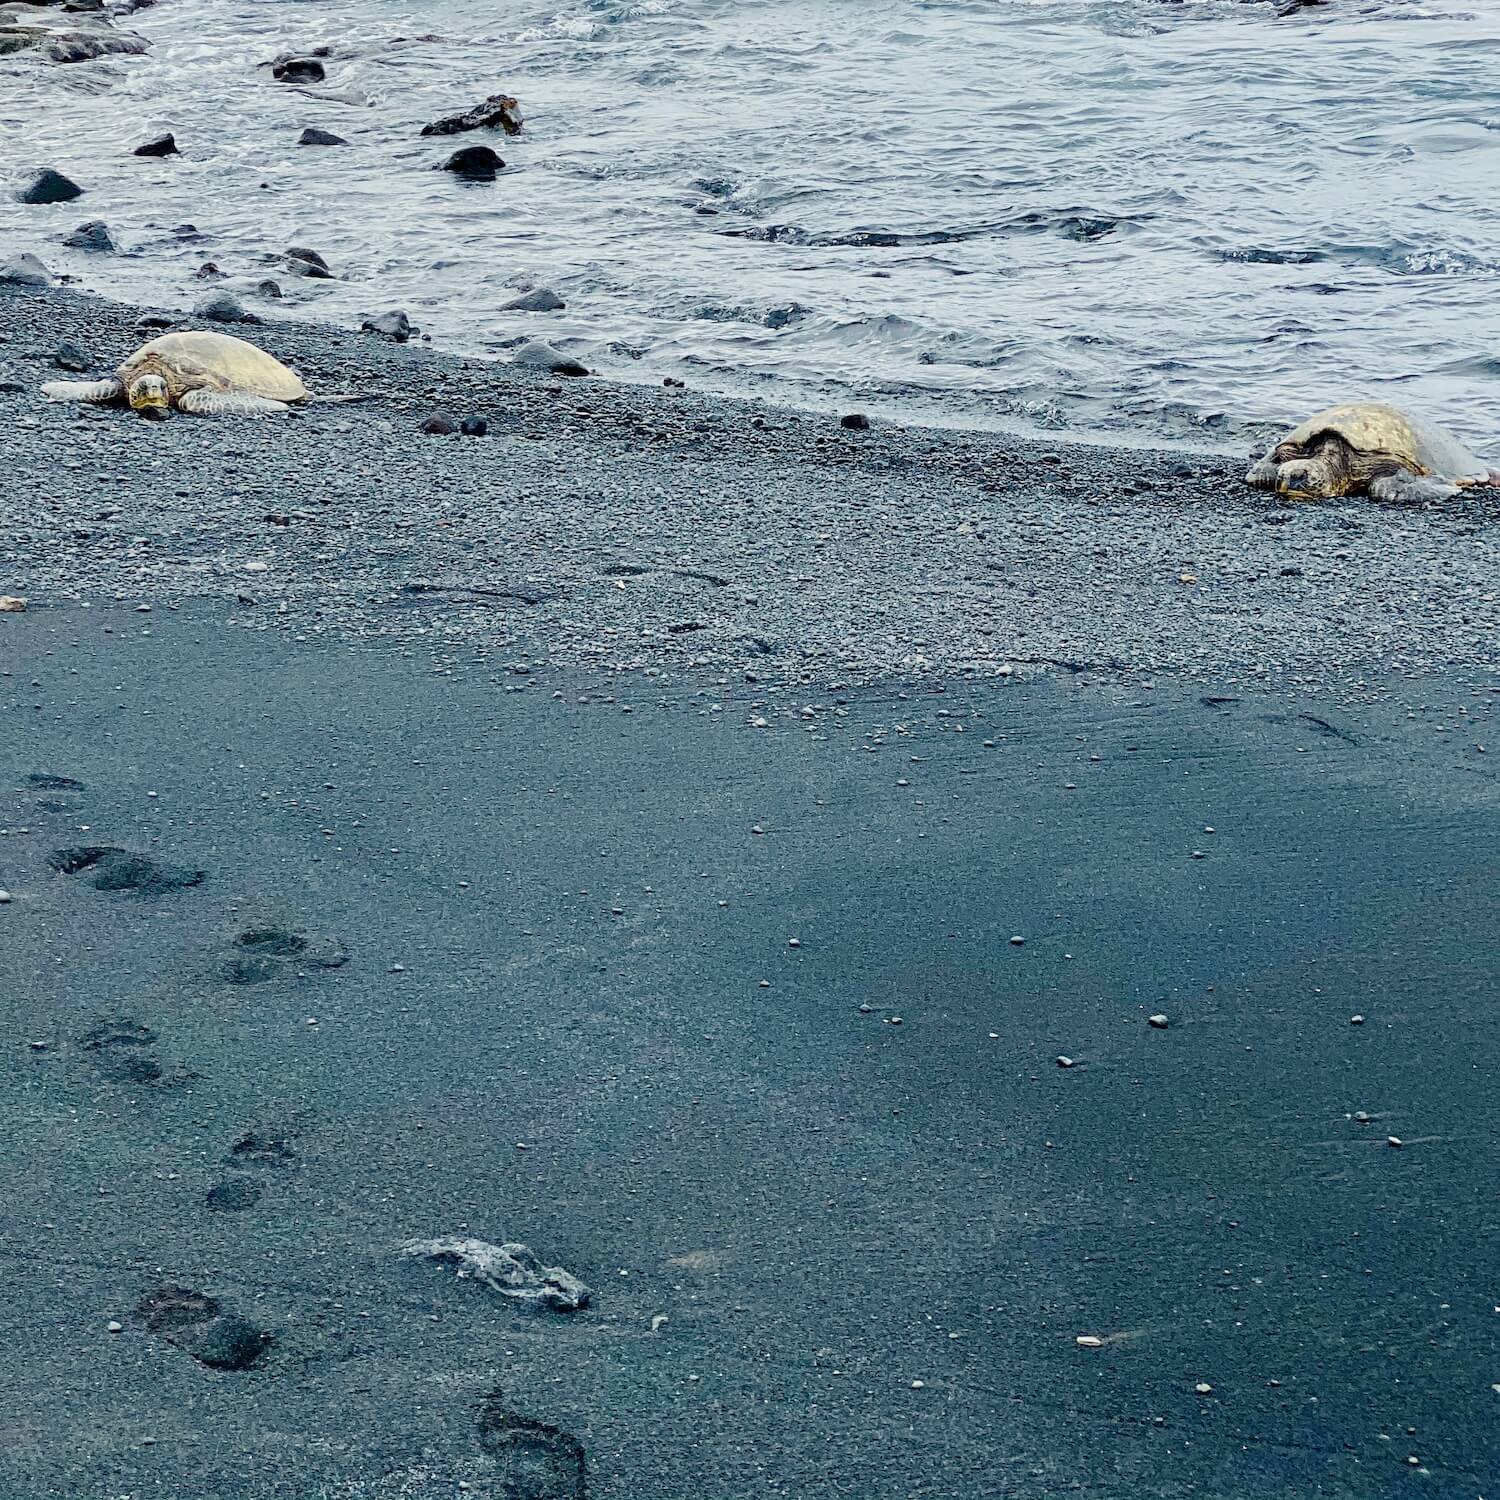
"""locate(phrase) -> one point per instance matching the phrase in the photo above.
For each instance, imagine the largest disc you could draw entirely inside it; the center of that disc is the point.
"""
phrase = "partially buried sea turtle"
(208, 374)
(1371, 449)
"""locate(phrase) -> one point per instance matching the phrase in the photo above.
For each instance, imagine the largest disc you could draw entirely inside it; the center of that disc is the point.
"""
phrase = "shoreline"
(602, 523)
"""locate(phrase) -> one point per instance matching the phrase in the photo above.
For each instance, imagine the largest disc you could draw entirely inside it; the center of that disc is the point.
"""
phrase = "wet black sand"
(825, 1206)
(500, 799)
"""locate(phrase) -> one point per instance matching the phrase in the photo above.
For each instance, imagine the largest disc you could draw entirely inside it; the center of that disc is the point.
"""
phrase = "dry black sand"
(427, 921)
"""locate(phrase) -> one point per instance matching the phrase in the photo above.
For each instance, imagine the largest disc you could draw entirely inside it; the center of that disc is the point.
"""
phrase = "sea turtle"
(208, 374)
(1368, 448)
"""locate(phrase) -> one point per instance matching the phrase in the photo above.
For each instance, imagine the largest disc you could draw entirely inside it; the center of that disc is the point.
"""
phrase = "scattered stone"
(11, 605)
(1203, 1388)
(163, 145)
(312, 136)
(1159, 1021)
(25, 270)
(1089, 1341)
(474, 427)
(498, 111)
(542, 300)
(1017, 941)
(298, 70)
(70, 357)
(1065, 1062)
(220, 307)
(200, 1325)
(48, 186)
(477, 163)
(1356, 1020)
(1394, 1140)
(513, 1270)
(5, 898)
(439, 424)
(94, 235)
(394, 325)
(113, 1326)
(539, 356)
(855, 421)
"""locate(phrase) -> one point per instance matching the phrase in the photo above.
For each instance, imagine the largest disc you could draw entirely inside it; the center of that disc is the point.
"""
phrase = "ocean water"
(1127, 220)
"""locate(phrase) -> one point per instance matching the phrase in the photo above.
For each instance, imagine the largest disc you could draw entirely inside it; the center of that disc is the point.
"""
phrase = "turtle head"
(1320, 471)
(150, 397)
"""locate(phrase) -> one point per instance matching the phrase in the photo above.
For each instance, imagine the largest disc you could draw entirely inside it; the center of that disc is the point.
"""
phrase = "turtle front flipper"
(97, 392)
(1262, 476)
(1405, 488)
(205, 403)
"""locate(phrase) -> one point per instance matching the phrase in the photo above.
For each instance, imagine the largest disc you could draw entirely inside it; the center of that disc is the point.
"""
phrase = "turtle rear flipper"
(98, 392)
(1404, 488)
(228, 404)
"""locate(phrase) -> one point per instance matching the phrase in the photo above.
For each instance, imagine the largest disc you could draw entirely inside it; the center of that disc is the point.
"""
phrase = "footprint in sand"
(203, 1327)
(110, 868)
(259, 954)
(123, 1050)
(534, 1460)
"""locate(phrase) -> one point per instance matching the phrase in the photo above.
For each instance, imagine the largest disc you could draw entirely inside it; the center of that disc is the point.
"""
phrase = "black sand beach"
(529, 914)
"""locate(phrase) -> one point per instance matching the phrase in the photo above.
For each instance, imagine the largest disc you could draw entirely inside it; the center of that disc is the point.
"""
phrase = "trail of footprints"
(532, 1459)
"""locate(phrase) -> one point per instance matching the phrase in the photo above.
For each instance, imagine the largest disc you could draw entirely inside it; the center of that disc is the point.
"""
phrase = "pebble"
(115, 1327)
(1203, 1388)
(1394, 1140)
(11, 605)
(1356, 1020)
(919, 1385)
(1159, 1021)
(794, 942)
(1065, 1062)
(1017, 941)
(5, 897)
(1089, 1341)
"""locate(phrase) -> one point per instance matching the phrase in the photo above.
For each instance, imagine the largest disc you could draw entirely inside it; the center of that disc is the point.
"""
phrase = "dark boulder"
(393, 325)
(312, 136)
(220, 307)
(48, 186)
(477, 163)
(208, 271)
(855, 421)
(474, 427)
(499, 112)
(163, 145)
(543, 299)
(70, 357)
(62, 37)
(439, 424)
(268, 288)
(298, 70)
(94, 235)
(536, 355)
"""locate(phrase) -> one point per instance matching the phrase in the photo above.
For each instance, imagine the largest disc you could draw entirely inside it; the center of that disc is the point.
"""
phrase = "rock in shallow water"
(94, 235)
(498, 111)
(312, 136)
(394, 325)
(543, 299)
(25, 270)
(301, 261)
(298, 70)
(48, 186)
(63, 38)
(539, 356)
(162, 145)
(477, 163)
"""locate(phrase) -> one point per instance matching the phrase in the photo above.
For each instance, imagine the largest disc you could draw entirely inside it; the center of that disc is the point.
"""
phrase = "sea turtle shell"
(1373, 429)
(213, 361)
